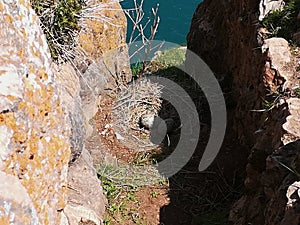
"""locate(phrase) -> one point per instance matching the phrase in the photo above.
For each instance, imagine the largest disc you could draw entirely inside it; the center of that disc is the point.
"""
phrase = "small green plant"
(272, 100)
(297, 92)
(283, 23)
(154, 194)
(110, 190)
(137, 69)
(59, 20)
(120, 185)
(107, 221)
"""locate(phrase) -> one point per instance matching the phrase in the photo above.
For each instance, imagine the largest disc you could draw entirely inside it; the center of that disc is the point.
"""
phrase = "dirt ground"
(143, 207)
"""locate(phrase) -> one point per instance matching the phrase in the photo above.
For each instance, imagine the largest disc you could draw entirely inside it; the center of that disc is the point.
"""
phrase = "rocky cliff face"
(35, 148)
(47, 174)
(227, 36)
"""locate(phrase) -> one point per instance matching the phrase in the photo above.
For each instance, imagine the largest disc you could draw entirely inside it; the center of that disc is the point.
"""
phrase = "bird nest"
(140, 98)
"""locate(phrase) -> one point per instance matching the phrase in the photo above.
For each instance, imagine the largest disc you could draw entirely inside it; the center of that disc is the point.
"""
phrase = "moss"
(283, 23)
(59, 20)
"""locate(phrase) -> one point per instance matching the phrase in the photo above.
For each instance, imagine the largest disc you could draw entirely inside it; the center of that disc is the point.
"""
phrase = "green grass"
(120, 185)
(118, 198)
(297, 92)
(172, 57)
(137, 69)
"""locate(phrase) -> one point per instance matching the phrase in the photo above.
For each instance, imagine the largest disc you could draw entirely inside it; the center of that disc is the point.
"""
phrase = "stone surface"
(85, 199)
(105, 73)
(225, 35)
(296, 38)
(104, 27)
(34, 127)
(103, 39)
(292, 123)
(278, 57)
(69, 90)
(79, 215)
(16, 206)
(47, 176)
(265, 6)
(105, 67)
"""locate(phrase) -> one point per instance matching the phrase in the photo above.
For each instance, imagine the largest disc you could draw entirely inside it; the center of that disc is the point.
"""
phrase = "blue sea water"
(175, 17)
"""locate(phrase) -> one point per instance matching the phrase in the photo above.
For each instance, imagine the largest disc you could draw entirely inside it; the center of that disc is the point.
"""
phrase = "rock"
(292, 123)
(106, 66)
(266, 6)
(104, 43)
(224, 35)
(80, 215)
(296, 38)
(278, 50)
(100, 36)
(293, 194)
(35, 129)
(104, 74)
(278, 179)
(45, 111)
(292, 216)
(16, 206)
(85, 197)
(69, 88)
(279, 55)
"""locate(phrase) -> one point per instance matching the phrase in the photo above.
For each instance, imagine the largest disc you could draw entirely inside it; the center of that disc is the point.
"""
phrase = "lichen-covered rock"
(15, 204)
(103, 40)
(103, 27)
(34, 128)
(44, 112)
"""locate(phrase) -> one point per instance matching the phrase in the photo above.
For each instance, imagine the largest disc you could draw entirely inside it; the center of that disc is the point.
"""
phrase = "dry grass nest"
(140, 98)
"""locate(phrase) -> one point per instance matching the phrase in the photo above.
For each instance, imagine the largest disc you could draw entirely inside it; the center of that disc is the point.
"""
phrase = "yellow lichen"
(8, 18)
(4, 220)
(101, 37)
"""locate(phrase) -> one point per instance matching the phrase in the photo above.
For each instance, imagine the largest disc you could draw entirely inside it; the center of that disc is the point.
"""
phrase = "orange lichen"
(25, 219)
(8, 18)
(20, 136)
(42, 74)
(100, 36)
(4, 220)
(39, 150)
(11, 98)
(35, 158)
(8, 119)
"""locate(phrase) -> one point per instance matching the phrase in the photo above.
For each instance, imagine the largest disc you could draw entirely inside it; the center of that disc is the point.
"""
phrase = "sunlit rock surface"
(34, 130)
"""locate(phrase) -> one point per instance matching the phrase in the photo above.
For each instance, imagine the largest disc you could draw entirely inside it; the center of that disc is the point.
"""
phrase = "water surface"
(175, 17)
